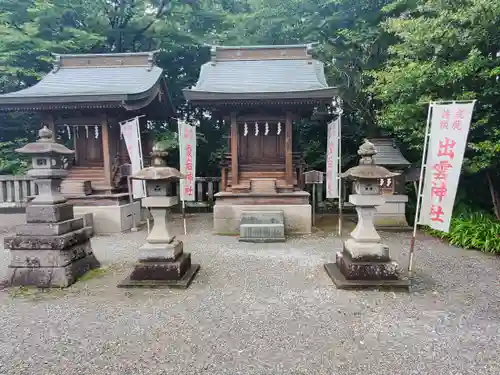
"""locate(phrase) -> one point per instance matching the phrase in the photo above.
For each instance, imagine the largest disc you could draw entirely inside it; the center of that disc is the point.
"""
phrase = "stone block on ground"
(262, 226)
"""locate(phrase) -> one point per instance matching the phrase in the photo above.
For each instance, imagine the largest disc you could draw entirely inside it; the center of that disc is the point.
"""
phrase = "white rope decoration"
(96, 132)
(279, 128)
(68, 130)
(256, 128)
(87, 131)
(266, 132)
(245, 131)
(77, 132)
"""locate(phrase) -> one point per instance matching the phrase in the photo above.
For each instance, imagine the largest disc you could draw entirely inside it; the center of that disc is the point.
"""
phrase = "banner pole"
(339, 167)
(419, 193)
(184, 216)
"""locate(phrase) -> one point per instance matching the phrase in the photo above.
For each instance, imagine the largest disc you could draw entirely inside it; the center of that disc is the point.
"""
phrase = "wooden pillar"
(288, 149)
(234, 150)
(105, 150)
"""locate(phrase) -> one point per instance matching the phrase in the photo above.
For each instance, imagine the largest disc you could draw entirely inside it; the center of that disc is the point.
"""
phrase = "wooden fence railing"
(15, 190)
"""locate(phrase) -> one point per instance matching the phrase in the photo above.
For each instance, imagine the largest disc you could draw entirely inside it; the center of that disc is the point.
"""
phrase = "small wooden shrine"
(83, 100)
(260, 91)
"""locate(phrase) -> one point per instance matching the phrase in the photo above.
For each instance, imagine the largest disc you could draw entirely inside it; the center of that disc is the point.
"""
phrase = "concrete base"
(112, 219)
(227, 217)
(392, 214)
(341, 282)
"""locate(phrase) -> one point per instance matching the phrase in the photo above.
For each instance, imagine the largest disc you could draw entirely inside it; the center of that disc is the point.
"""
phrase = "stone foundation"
(229, 207)
(392, 214)
(112, 219)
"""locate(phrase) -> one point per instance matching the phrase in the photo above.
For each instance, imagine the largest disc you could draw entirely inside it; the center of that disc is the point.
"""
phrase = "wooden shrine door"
(88, 146)
(258, 148)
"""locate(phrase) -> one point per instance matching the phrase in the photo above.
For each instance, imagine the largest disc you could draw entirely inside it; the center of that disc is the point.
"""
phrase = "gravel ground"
(258, 309)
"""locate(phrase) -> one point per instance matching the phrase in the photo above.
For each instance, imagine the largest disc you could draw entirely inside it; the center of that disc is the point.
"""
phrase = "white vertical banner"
(187, 150)
(132, 136)
(449, 128)
(332, 159)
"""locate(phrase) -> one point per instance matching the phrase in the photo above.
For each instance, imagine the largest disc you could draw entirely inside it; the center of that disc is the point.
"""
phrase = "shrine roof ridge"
(388, 154)
(79, 81)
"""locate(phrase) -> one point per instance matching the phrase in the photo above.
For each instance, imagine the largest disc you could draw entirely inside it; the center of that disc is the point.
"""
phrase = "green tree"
(446, 50)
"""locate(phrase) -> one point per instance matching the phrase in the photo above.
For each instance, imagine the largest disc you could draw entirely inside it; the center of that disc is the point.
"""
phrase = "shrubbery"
(479, 231)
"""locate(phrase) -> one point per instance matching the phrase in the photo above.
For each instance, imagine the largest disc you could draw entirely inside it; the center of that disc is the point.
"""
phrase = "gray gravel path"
(258, 309)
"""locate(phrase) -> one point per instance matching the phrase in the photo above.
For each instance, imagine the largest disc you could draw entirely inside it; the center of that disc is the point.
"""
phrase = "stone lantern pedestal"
(365, 261)
(162, 261)
(53, 248)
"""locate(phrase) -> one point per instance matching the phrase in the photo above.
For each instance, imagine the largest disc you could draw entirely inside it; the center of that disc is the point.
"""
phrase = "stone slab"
(227, 218)
(51, 277)
(49, 258)
(262, 217)
(366, 270)
(61, 242)
(49, 229)
(157, 252)
(49, 213)
(341, 282)
(162, 270)
(112, 219)
(262, 233)
(183, 283)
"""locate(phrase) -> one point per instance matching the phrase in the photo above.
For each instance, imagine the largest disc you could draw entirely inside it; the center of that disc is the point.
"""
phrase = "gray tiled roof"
(254, 77)
(85, 84)
(387, 153)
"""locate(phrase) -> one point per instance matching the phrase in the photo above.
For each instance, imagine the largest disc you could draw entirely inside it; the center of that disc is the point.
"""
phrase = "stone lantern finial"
(159, 155)
(45, 134)
(367, 151)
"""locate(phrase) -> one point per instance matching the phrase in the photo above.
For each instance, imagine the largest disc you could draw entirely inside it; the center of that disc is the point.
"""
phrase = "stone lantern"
(365, 261)
(53, 248)
(162, 261)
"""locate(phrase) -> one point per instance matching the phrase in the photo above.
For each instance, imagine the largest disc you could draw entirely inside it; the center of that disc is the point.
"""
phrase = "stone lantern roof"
(45, 145)
(158, 170)
(367, 170)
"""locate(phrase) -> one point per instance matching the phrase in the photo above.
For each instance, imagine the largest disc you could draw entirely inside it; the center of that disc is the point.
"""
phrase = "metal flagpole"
(339, 171)
(420, 187)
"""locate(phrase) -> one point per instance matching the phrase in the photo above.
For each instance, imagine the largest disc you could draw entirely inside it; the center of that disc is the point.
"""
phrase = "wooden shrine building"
(260, 91)
(83, 100)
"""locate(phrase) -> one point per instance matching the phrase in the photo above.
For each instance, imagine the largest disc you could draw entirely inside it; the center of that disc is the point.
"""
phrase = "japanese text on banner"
(187, 147)
(332, 159)
(450, 125)
(132, 137)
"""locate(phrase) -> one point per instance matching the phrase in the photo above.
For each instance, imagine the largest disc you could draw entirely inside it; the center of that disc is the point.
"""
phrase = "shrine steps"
(85, 181)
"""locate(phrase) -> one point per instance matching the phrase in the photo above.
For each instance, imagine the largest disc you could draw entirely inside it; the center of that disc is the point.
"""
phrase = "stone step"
(262, 226)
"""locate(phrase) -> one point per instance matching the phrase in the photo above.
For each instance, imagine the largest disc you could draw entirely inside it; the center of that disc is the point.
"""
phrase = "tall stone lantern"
(162, 261)
(53, 248)
(365, 261)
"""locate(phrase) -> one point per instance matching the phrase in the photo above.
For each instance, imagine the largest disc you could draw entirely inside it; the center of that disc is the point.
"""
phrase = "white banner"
(131, 134)
(449, 129)
(187, 149)
(332, 159)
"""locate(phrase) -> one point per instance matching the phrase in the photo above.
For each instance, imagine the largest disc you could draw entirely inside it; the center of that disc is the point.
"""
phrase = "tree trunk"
(494, 196)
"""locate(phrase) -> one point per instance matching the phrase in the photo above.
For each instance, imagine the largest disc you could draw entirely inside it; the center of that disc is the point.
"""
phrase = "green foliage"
(471, 230)
(10, 162)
